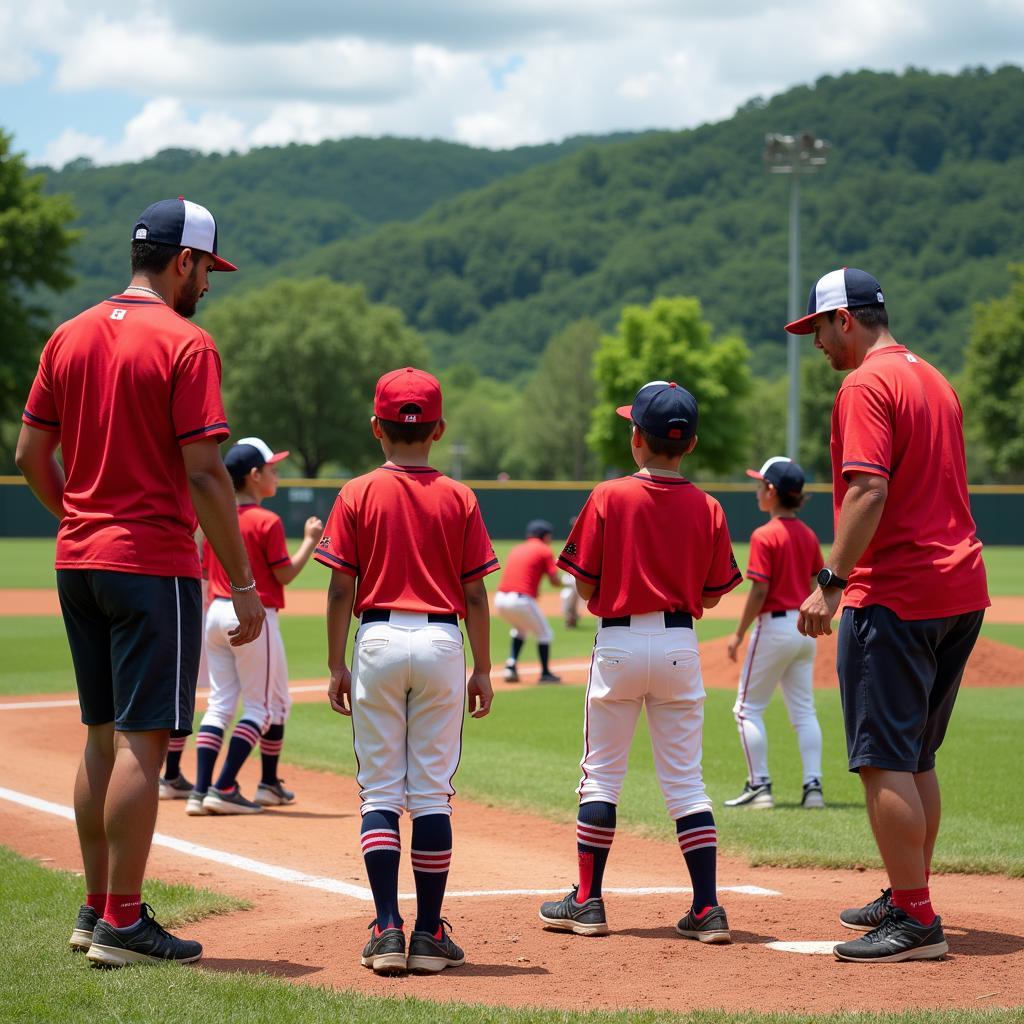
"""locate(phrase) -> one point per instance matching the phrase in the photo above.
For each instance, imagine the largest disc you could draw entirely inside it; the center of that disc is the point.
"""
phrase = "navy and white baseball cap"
(539, 527)
(182, 223)
(845, 288)
(782, 473)
(663, 409)
(250, 453)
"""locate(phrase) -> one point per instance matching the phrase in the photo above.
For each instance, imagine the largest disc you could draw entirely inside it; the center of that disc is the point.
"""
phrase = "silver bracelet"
(242, 590)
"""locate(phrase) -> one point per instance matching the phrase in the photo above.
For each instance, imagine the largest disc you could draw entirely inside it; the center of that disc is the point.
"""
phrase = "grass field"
(42, 982)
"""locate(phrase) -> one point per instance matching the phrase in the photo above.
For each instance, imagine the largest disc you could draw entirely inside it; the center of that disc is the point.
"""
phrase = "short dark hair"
(789, 500)
(871, 317)
(672, 447)
(152, 257)
(408, 433)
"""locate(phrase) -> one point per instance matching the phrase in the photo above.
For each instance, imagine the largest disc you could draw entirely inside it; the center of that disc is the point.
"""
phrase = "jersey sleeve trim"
(737, 578)
(480, 570)
(280, 561)
(573, 567)
(853, 467)
(213, 428)
(753, 575)
(37, 421)
(333, 562)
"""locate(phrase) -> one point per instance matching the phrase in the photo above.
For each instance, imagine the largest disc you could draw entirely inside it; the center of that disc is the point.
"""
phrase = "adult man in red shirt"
(907, 565)
(130, 392)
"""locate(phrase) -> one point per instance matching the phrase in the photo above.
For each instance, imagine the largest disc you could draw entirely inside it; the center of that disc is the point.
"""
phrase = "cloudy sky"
(116, 80)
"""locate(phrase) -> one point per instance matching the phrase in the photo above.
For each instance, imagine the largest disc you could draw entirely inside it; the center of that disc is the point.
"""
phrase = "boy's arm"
(36, 457)
(751, 610)
(312, 533)
(340, 597)
(478, 629)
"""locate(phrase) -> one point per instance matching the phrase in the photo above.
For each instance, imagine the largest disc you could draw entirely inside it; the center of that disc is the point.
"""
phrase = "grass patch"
(42, 982)
(1004, 632)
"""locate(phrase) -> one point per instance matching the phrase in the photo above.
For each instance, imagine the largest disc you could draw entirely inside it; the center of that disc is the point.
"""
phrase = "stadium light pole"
(794, 155)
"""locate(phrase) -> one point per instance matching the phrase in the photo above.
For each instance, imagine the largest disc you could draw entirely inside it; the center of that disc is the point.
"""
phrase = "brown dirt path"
(302, 934)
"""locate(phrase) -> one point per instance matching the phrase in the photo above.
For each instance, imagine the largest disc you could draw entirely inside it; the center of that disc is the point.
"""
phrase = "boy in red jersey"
(258, 674)
(516, 600)
(650, 552)
(415, 541)
(784, 560)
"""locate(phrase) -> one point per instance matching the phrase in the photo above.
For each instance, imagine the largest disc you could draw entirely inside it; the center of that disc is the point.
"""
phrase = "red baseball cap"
(408, 386)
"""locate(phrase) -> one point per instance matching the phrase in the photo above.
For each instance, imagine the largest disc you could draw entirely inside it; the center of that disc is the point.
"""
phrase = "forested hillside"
(277, 205)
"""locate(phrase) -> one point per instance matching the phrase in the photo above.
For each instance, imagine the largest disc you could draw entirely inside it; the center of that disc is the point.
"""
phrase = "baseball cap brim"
(805, 325)
(625, 411)
(277, 457)
(221, 264)
(753, 473)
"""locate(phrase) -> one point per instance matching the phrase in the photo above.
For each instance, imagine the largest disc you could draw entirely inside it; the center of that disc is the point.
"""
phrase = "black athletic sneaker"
(898, 937)
(385, 952)
(147, 943)
(177, 788)
(549, 677)
(712, 927)
(566, 915)
(863, 919)
(429, 954)
(813, 797)
(228, 801)
(753, 797)
(81, 937)
(511, 674)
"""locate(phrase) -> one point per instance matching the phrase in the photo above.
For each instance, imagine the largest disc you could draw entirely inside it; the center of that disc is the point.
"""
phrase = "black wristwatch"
(827, 578)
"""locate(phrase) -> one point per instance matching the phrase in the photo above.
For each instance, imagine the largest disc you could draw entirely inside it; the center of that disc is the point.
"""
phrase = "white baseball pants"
(408, 701)
(524, 616)
(645, 664)
(257, 672)
(569, 596)
(778, 656)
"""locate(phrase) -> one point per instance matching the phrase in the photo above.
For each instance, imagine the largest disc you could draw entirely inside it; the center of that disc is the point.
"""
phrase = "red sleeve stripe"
(847, 466)
(725, 586)
(563, 561)
(328, 559)
(480, 569)
(40, 421)
(213, 428)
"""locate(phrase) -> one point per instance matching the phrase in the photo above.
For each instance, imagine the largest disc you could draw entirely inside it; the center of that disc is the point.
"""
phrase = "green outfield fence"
(507, 507)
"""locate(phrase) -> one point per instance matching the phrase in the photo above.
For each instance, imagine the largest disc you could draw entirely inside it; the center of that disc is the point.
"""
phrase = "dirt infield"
(306, 880)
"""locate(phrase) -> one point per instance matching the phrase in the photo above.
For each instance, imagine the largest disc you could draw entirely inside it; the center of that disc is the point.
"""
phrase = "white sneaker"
(194, 804)
(813, 797)
(755, 797)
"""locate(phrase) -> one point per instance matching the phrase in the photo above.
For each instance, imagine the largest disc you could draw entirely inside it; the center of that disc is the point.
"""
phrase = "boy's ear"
(693, 444)
(638, 441)
(375, 427)
(442, 425)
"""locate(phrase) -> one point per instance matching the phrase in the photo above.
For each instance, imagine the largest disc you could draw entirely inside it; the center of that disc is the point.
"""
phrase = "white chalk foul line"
(812, 948)
(332, 885)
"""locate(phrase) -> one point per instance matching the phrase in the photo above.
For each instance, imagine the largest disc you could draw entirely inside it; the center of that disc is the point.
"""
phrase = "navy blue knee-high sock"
(382, 850)
(544, 650)
(698, 839)
(517, 646)
(431, 859)
(595, 830)
(243, 739)
(271, 743)
(175, 747)
(208, 744)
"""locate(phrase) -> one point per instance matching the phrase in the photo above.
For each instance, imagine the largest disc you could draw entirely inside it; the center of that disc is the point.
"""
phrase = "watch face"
(824, 575)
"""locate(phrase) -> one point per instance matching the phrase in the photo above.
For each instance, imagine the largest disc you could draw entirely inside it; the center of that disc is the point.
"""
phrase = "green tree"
(994, 382)
(550, 440)
(818, 386)
(35, 246)
(670, 340)
(301, 359)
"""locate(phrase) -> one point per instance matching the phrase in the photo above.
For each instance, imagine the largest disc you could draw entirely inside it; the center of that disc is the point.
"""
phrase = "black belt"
(384, 615)
(673, 620)
(779, 614)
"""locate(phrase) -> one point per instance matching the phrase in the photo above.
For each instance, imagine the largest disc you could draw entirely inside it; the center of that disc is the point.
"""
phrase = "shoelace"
(892, 920)
(146, 912)
(882, 902)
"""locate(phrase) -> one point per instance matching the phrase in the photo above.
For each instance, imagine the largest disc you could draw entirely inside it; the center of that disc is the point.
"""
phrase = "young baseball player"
(416, 543)
(516, 599)
(784, 560)
(650, 552)
(258, 674)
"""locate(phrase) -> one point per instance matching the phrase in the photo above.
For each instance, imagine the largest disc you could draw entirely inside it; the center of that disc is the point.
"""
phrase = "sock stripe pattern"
(434, 862)
(176, 744)
(697, 838)
(380, 839)
(249, 733)
(210, 740)
(594, 835)
(271, 747)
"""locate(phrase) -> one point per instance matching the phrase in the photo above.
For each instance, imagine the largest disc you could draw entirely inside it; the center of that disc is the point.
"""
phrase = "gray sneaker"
(429, 954)
(230, 801)
(899, 937)
(145, 943)
(273, 794)
(566, 915)
(384, 953)
(85, 923)
(194, 804)
(863, 919)
(177, 788)
(712, 927)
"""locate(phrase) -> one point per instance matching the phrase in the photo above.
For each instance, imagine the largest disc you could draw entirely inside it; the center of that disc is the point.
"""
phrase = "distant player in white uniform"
(415, 541)
(650, 552)
(784, 559)
(256, 675)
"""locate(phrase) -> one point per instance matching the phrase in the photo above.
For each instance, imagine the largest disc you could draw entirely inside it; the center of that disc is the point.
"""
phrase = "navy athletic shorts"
(898, 681)
(135, 643)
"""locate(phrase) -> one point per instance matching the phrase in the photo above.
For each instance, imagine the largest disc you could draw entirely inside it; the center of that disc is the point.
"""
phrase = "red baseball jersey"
(527, 563)
(784, 553)
(651, 544)
(263, 533)
(126, 384)
(411, 535)
(897, 417)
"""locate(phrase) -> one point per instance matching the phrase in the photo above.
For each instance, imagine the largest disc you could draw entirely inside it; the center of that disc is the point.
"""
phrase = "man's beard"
(186, 303)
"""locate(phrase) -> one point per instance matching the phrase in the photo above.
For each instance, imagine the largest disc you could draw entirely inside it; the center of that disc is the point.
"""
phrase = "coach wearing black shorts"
(907, 565)
(130, 392)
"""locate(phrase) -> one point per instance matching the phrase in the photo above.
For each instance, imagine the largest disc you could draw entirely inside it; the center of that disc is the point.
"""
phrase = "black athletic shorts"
(135, 643)
(898, 680)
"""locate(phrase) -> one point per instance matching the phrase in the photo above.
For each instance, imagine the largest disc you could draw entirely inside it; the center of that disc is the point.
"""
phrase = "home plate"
(803, 947)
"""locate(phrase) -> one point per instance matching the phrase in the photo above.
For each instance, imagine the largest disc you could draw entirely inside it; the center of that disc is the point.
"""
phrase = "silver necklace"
(143, 288)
